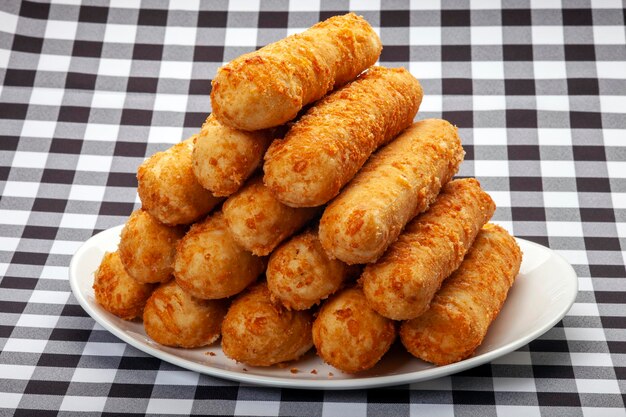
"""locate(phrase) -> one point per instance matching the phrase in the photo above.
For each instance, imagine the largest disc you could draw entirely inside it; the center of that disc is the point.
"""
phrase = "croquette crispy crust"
(300, 274)
(396, 183)
(329, 144)
(168, 188)
(209, 263)
(223, 158)
(258, 221)
(268, 87)
(349, 335)
(174, 318)
(402, 283)
(276, 107)
(147, 247)
(461, 312)
(116, 291)
(260, 333)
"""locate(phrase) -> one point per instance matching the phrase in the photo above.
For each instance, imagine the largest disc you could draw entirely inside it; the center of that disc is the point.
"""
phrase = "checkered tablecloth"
(88, 90)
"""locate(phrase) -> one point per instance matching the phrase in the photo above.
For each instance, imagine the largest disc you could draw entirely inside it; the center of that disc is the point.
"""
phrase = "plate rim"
(326, 384)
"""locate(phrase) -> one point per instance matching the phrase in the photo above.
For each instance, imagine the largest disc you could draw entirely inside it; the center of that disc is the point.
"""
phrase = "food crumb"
(330, 374)
(294, 370)
(210, 353)
(245, 369)
(314, 371)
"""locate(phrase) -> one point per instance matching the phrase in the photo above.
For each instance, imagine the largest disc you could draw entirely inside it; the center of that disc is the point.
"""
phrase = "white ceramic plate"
(542, 294)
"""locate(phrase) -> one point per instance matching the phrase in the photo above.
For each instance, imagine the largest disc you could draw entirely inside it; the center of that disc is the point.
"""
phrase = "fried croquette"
(116, 291)
(268, 87)
(147, 247)
(174, 318)
(396, 183)
(300, 274)
(467, 303)
(349, 335)
(326, 147)
(258, 332)
(259, 222)
(209, 263)
(223, 157)
(402, 283)
(168, 188)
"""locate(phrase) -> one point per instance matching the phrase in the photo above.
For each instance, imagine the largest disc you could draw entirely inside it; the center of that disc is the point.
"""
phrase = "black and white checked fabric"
(87, 90)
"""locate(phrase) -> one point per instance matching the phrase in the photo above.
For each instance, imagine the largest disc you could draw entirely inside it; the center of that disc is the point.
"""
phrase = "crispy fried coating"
(147, 247)
(349, 335)
(174, 318)
(402, 283)
(325, 148)
(116, 291)
(300, 274)
(398, 182)
(268, 87)
(468, 301)
(258, 332)
(223, 157)
(168, 188)
(209, 263)
(258, 221)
